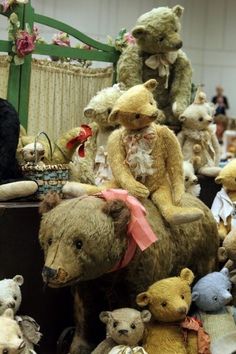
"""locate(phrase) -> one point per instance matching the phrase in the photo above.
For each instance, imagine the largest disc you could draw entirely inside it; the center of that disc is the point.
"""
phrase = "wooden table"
(20, 253)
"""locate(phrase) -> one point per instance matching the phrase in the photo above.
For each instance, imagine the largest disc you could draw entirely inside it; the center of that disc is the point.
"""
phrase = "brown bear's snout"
(48, 273)
(182, 310)
(123, 331)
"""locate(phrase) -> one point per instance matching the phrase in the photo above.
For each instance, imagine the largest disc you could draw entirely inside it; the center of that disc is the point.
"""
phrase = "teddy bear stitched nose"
(123, 331)
(182, 310)
(11, 305)
(179, 45)
(48, 273)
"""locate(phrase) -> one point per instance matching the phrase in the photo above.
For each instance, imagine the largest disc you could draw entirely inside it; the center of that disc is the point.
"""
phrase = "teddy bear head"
(212, 292)
(10, 293)
(190, 178)
(227, 176)
(228, 248)
(33, 152)
(199, 115)
(125, 325)
(82, 238)
(100, 106)
(158, 31)
(136, 108)
(11, 338)
(169, 299)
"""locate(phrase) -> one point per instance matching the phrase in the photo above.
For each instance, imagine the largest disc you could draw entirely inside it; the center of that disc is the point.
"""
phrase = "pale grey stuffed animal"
(125, 329)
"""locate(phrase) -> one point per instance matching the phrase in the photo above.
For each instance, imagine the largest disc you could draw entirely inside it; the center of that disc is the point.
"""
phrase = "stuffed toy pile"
(157, 55)
(124, 329)
(142, 154)
(198, 139)
(171, 331)
(10, 298)
(224, 204)
(211, 294)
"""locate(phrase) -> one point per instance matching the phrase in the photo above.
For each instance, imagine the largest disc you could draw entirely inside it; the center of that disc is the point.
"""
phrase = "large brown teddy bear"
(145, 158)
(157, 55)
(84, 241)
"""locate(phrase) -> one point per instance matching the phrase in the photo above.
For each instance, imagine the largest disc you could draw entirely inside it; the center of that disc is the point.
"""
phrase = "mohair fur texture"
(10, 298)
(11, 176)
(169, 301)
(84, 238)
(145, 158)
(198, 139)
(124, 328)
(223, 206)
(157, 55)
(227, 252)
(11, 338)
(190, 179)
(93, 167)
(211, 294)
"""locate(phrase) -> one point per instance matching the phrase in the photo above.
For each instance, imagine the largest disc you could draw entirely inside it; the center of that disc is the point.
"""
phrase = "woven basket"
(50, 178)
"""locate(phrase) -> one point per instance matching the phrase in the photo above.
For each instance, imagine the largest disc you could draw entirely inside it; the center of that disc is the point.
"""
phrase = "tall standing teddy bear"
(145, 158)
(157, 55)
(198, 139)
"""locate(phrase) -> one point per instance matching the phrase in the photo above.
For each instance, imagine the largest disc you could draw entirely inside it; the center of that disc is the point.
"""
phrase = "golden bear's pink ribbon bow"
(138, 228)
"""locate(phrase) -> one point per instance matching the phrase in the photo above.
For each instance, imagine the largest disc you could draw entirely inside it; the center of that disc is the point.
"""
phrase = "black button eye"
(133, 326)
(5, 351)
(161, 39)
(15, 297)
(78, 244)
(49, 241)
(137, 116)
(115, 324)
(215, 298)
(186, 179)
(109, 110)
(200, 119)
(182, 297)
(164, 304)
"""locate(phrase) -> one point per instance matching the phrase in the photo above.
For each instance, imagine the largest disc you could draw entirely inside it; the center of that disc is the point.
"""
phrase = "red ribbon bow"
(83, 136)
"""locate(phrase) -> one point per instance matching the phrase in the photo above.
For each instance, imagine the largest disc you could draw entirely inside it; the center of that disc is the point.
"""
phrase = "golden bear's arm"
(174, 163)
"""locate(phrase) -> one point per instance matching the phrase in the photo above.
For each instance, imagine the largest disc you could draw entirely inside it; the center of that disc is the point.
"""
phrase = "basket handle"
(35, 142)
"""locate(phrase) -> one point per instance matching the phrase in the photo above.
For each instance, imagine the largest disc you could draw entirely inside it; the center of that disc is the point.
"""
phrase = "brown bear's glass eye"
(78, 244)
(137, 116)
(133, 326)
(200, 119)
(182, 296)
(115, 324)
(49, 241)
(5, 351)
(161, 39)
(215, 298)
(164, 304)
(109, 110)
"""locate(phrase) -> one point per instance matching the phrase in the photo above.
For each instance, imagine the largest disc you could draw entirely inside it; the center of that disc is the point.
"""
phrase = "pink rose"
(5, 5)
(62, 39)
(129, 38)
(25, 43)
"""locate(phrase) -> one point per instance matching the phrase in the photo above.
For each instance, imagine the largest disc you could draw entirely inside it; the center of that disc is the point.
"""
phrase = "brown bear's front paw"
(138, 190)
(178, 108)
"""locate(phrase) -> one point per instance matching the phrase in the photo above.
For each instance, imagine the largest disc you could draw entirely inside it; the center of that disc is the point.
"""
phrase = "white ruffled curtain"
(58, 94)
(4, 73)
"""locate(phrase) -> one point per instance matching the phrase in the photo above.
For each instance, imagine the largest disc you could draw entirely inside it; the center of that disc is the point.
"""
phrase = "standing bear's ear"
(143, 299)
(89, 112)
(50, 201)
(187, 275)
(105, 316)
(150, 84)
(178, 10)
(113, 117)
(120, 213)
(18, 279)
(139, 32)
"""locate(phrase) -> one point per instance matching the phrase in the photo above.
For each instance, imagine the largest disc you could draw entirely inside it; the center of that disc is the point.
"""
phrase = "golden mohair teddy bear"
(171, 331)
(145, 158)
(224, 204)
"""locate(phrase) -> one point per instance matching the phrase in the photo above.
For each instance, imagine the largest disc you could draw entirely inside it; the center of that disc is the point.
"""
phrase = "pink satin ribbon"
(139, 229)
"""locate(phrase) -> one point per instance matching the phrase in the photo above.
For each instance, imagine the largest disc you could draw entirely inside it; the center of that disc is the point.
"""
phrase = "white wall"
(208, 27)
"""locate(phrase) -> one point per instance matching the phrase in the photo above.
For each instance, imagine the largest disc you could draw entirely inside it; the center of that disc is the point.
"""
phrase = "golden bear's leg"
(77, 189)
(173, 214)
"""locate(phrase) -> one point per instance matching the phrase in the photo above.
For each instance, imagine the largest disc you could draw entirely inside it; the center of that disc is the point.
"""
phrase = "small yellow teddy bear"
(145, 158)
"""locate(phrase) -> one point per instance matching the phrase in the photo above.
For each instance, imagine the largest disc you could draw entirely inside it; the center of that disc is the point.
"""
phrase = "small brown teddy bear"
(227, 252)
(157, 55)
(171, 331)
(198, 139)
(224, 204)
(125, 329)
(145, 158)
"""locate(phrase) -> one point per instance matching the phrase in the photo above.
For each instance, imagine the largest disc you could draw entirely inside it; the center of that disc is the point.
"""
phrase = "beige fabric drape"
(4, 73)
(58, 94)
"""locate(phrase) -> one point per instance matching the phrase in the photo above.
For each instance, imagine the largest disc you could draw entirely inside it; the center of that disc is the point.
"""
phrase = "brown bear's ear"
(146, 315)
(18, 279)
(219, 180)
(150, 84)
(178, 10)
(119, 212)
(139, 32)
(222, 254)
(105, 316)
(143, 299)
(187, 275)
(89, 112)
(113, 117)
(50, 201)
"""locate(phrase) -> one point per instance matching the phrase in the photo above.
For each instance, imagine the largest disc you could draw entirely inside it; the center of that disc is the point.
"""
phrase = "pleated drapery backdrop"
(58, 94)
(4, 72)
